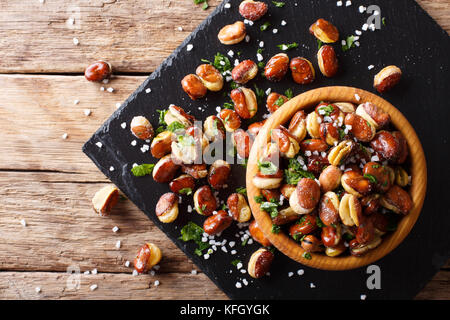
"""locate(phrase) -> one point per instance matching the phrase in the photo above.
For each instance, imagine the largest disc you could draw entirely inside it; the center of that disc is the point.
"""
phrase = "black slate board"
(410, 39)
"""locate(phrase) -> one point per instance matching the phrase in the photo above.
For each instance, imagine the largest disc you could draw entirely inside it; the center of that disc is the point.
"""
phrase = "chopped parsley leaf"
(265, 26)
(349, 43)
(276, 229)
(186, 191)
(267, 168)
(288, 46)
(278, 4)
(242, 191)
(143, 169)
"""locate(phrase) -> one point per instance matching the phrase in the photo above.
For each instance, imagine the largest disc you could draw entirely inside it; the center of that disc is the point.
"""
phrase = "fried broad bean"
(306, 225)
(147, 257)
(244, 71)
(218, 175)
(362, 129)
(306, 196)
(255, 127)
(297, 126)
(378, 175)
(177, 114)
(167, 207)
(194, 86)
(105, 199)
(245, 103)
(184, 184)
(205, 202)
(275, 101)
(387, 78)
(217, 223)
(211, 77)
(350, 210)
(327, 60)
(239, 209)
(268, 181)
(330, 178)
(98, 71)
(397, 200)
(231, 119)
(313, 121)
(302, 70)
(257, 234)
(356, 184)
(329, 208)
(390, 146)
(325, 31)
(341, 152)
(141, 128)
(197, 171)
(311, 243)
(162, 144)
(331, 236)
(374, 115)
(213, 128)
(243, 143)
(287, 144)
(260, 262)
(165, 170)
(252, 10)
(277, 67)
(233, 33)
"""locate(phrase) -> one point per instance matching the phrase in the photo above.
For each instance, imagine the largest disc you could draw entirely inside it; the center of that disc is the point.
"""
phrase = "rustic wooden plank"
(31, 33)
(62, 229)
(133, 37)
(437, 289)
(37, 110)
(173, 286)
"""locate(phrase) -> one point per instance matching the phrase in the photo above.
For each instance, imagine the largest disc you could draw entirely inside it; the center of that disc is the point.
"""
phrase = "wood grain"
(48, 182)
(30, 36)
(310, 99)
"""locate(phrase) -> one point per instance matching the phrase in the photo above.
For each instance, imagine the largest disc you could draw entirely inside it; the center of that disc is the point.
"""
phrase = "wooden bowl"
(417, 191)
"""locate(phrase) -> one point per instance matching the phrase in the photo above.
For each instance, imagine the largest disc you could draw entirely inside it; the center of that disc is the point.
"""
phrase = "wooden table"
(47, 181)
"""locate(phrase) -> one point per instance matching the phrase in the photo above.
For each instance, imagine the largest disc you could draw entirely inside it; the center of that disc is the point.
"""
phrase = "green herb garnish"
(349, 43)
(259, 94)
(288, 93)
(186, 191)
(162, 114)
(267, 168)
(271, 208)
(288, 46)
(278, 4)
(242, 190)
(307, 255)
(276, 229)
(193, 232)
(205, 3)
(235, 262)
(265, 26)
(319, 44)
(174, 126)
(280, 101)
(258, 199)
(143, 169)
(295, 172)
(371, 178)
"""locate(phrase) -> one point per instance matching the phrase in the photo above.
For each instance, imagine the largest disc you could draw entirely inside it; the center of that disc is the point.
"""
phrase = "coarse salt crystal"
(111, 168)
(194, 272)
(148, 90)
(275, 30)
(283, 23)
(127, 263)
(247, 38)
(244, 281)
(362, 9)
(37, 289)
(259, 57)
(102, 88)
(135, 273)
(233, 252)
(115, 229)
(76, 41)
(180, 28)
(65, 136)
(371, 67)
(300, 272)
(357, 32)
(123, 125)
(227, 6)
(87, 272)
(189, 47)
(94, 271)
(375, 158)
(110, 89)
(23, 222)
(76, 101)
(348, 3)
(365, 27)
(239, 265)
(118, 105)
(87, 112)
(290, 274)
(238, 285)
(339, 3)
(357, 97)
(363, 297)
(156, 283)
(206, 256)
(312, 285)
(133, 143)
(118, 244)
(99, 144)
(93, 287)
(231, 53)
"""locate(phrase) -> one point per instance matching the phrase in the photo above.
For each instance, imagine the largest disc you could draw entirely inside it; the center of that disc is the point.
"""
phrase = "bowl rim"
(417, 189)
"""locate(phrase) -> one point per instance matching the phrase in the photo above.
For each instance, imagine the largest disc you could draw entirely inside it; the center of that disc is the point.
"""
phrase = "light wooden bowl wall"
(418, 172)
